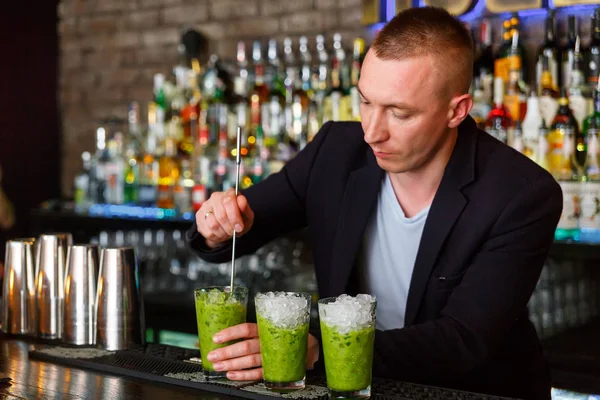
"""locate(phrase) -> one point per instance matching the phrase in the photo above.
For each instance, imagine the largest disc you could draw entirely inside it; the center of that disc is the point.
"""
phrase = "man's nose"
(375, 129)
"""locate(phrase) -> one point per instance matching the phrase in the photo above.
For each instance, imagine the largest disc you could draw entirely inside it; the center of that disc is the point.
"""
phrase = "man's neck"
(416, 189)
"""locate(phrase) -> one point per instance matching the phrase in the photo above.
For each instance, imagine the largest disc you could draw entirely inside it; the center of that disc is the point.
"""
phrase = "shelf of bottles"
(167, 164)
(551, 117)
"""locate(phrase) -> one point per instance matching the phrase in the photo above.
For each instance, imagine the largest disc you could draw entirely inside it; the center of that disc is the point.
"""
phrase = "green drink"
(283, 320)
(348, 337)
(217, 309)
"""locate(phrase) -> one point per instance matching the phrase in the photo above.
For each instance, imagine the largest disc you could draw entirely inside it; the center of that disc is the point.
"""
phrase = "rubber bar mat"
(160, 363)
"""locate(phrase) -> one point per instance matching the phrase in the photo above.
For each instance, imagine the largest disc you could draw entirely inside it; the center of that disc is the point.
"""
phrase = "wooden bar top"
(33, 379)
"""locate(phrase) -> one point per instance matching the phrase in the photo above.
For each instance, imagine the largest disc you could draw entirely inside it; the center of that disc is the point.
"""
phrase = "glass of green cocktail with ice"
(216, 309)
(348, 337)
(283, 320)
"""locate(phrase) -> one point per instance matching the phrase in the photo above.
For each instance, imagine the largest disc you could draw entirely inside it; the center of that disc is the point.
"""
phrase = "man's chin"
(392, 166)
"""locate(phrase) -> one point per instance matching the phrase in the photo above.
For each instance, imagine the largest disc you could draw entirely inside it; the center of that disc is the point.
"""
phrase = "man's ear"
(460, 107)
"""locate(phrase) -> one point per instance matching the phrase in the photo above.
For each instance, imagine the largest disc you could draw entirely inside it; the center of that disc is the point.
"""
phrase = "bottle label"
(590, 205)
(501, 68)
(580, 108)
(571, 205)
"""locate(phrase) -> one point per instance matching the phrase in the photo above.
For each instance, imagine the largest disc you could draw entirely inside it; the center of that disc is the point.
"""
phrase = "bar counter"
(33, 379)
(141, 374)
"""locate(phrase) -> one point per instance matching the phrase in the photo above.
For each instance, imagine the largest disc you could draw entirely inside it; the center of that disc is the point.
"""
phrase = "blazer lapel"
(357, 204)
(445, 210)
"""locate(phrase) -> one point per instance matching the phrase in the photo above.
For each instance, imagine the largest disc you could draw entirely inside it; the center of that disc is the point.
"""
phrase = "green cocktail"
(283, 320)
(348, 337)
(217, 309)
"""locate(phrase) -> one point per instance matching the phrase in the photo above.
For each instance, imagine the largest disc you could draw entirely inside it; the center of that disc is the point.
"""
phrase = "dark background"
(29, 116)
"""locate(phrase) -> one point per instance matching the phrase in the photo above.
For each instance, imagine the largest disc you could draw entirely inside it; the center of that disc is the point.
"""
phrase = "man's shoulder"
(344, 131)
(505, 163)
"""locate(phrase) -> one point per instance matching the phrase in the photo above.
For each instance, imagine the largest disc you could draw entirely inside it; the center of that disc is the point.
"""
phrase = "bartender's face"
(404, 111)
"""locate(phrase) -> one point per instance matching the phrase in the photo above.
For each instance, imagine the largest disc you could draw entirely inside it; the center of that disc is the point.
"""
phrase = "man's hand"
(220, 215)
(245, 355)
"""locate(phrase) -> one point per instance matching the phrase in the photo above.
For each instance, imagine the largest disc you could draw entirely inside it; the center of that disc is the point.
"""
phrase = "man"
(448, 227)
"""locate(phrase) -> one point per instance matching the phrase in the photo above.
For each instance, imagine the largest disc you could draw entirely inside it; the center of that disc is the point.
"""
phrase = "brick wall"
(110, 49)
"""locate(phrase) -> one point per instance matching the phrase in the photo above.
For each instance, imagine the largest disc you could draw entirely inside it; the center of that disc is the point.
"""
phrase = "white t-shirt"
(388, 254)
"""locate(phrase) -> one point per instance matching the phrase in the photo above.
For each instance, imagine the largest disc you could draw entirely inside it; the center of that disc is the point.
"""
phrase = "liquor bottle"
(501, 66)
(149, 169)
(515, 29)
(98, 170)
(201, 170)
(258, 170)
(115, 170)
(593, 51)
(258, 96)
(82, 184)
(306, 67)
(563, 122)
(515, 98)
(532, 122)
(517, 140)
(321, 80)
(484, 63)
(568, 52)
(549, 51)
(272, 111)
(498, 121)
(566, 174)
(579, 94)
(131, 174)
(132, 153)
(542, 147)
(168, 168)
(358, 55)
(222, 166)
(289, 58)
(595, 114)
(481, 107)
(589, 222)
(549, 93)
(183, 188)
(334, 106)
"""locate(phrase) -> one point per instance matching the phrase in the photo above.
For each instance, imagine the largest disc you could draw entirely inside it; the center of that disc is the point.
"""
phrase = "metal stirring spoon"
(237, 182)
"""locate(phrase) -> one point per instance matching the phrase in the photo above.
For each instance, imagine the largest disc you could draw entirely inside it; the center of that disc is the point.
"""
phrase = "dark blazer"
(485, 240)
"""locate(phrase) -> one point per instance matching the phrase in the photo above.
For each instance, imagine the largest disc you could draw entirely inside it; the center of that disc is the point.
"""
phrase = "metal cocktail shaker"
(18, 296)
(49, 283)
(79, 319)
(119, 304)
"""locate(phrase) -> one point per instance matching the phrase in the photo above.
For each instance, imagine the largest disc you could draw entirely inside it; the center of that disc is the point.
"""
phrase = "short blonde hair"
(430, 31)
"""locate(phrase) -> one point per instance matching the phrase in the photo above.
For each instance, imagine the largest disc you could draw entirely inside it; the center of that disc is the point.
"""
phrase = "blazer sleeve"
(278, 203)
(491, 296)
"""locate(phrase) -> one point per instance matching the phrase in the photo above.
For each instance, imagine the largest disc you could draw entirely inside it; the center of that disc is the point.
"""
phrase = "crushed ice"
(348, 313)
(282, 309)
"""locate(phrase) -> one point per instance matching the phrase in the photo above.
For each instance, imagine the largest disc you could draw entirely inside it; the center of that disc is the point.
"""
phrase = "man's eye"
(400, 116)
(364, 101)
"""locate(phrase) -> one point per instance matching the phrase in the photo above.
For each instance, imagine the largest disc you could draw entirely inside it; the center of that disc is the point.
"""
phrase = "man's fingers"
(233, 214)
(237, 364)
(241, 331)
(215, 231)
(235, 350)
(221, 216)
(251, 375)
(246, 211)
